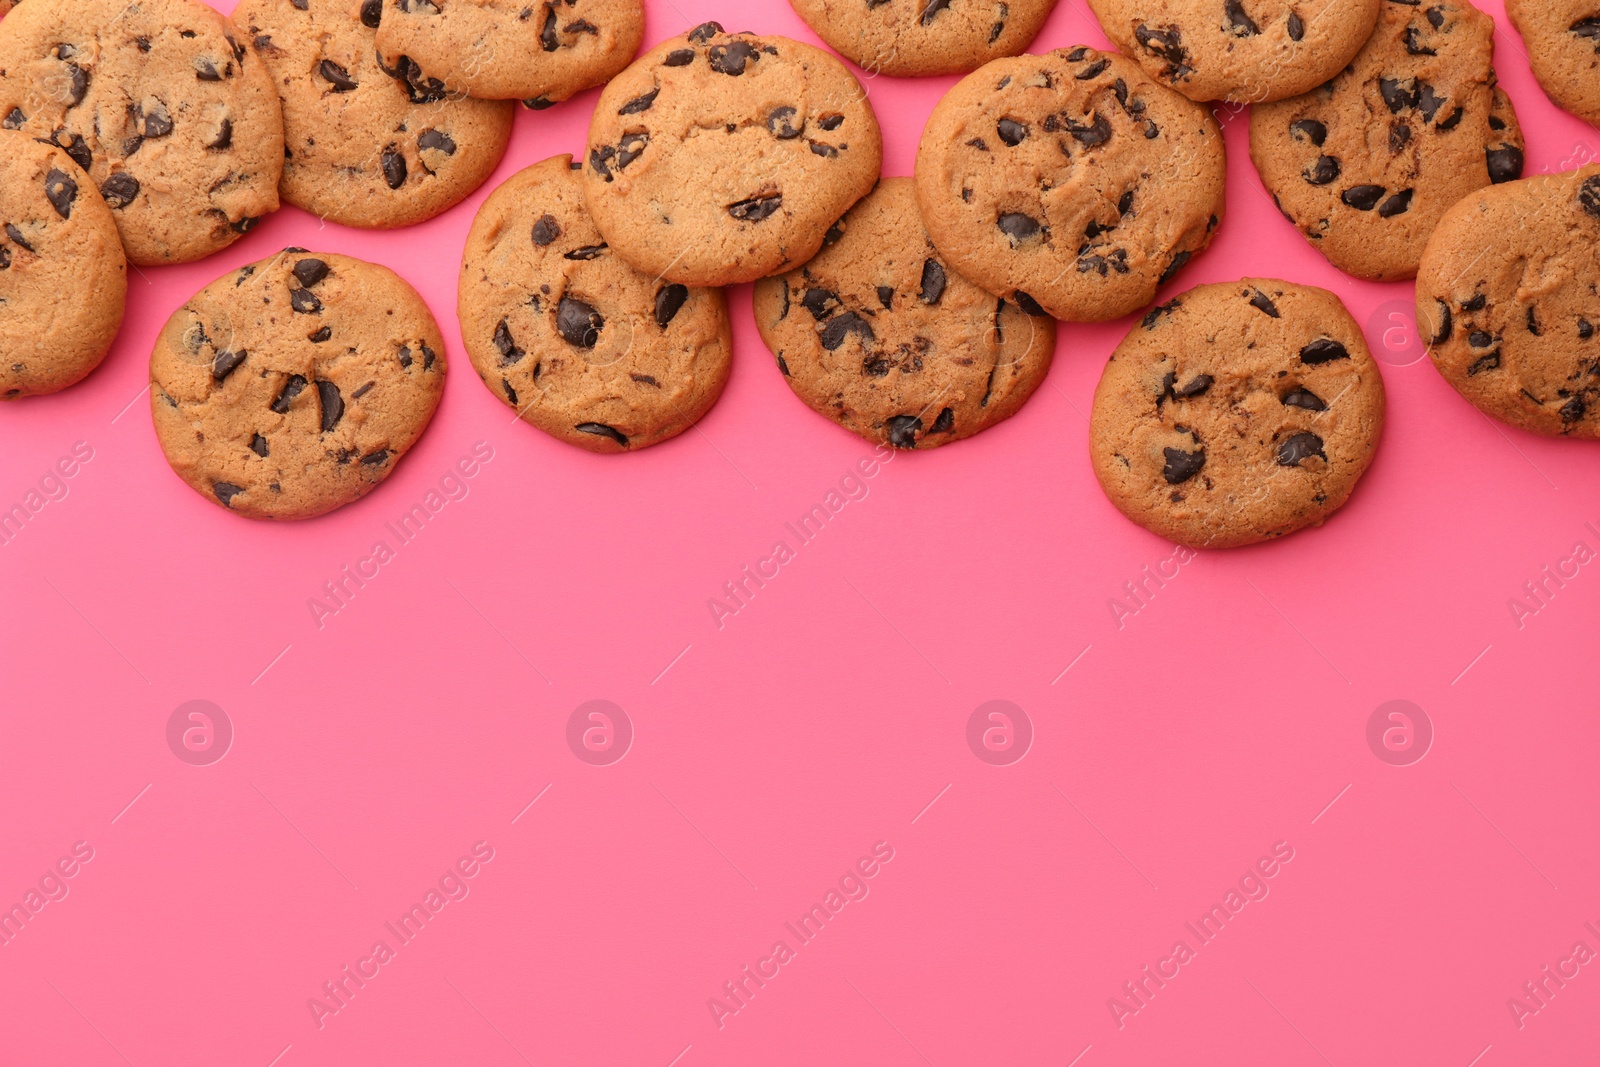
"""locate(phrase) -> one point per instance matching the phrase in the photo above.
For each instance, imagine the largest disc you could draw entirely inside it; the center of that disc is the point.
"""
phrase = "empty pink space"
(984, 774)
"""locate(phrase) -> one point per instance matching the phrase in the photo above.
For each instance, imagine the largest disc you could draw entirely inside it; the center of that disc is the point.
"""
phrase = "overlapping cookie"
(1563, 39)
(913, 38)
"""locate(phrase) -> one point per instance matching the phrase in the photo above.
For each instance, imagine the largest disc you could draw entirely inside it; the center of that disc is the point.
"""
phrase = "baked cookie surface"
(910, 38)
(719, 158)
(63, 278)
(176, 123)
(1366, 165)
(1237, 413)
(878, 334)
(1069, 182)
(292, 386)
(577, 342)
(1247, 51)
(510, 49)
(1507, 299)
(1563, 39)
(363, 148)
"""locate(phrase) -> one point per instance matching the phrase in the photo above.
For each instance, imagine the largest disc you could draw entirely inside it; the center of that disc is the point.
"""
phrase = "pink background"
(1225, 716)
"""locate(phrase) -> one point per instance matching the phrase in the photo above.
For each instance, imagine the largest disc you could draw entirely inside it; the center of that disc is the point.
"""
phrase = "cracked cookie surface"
(577, 342)
(719, 158)
(878, 334)
(1508, 298)
(1563, 39)
(1247, 51)
(176, 123)
(1070, 182)
(364, 146)
(913, 38)
(292, 386)
(537, 51)
(1237, 413)
(1366, 165)
(63, 278)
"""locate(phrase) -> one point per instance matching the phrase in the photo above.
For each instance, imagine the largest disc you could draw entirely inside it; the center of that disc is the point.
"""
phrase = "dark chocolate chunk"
(836, 329)
(205, 70)
(1011, 131)
(669, 299)
(945, 423)
(1298, 447)
(509, 352)
(1195, 388)
(336, 76)
(394, 167)
(226, 491)
(1324, 170)
(511, 394)
(931, 11)
(1483, 363)
(1174, 267)
(372, 459)
(903, 430)
(1323, 350)
(886, 296)
(1397, 95)
(1263, 303)
(546, 230)
(704, 32)
(61, 191)
(1297, 28)
(258, 445)
(933, 281)
(756, 208)
(1028, 304)
(1442, 334)
(305, 302)
(1363, 197)
(731, 58)
(321, 335)
(600, 429)
(436, 141)
(578, 323)
(820, 302)
(831, 121)
(291, 389)
(1309, 129)
(371, 13)
(1097, 132)
(679, 57)
(1573, 410)
(585, 253)
(1020, 227)
(781, 124)
(1480, 339)
(1505, 164)
(1398, 204)
(640, 103)
(225, 363)
(332, 404)
(1302, 397)
(1180, 466)
(1239, 20)
(310, 271)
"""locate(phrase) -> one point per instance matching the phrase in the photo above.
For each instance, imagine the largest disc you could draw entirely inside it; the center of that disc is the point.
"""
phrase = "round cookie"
(1365, 165)
(177, 126)
(1563, 39)
(913, 38)
(509, 49)
(878, 334)
(570, 336)
(292, 386)
(63, 278)
(1237, 413)
(1246, 51)
(1507, 297)
(362, 148)
(1069, 182)
(720, 158)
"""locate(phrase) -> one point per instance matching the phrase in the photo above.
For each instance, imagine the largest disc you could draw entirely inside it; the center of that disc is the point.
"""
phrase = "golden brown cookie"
(360, 149)
(878, 334)
(1237, 413)
(1509, 296)
(177, 125)
(63, 277)
(577, 342)
(913, 38)
(1070, 182)
(1563, 39)
(719, 158)
(293, 386)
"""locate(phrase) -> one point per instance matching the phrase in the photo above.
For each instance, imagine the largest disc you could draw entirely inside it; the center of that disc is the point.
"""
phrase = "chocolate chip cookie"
(1365, 165)
(883, 337)
(719, 158)
(1248, 51)
(63, 278)
(1237, 413)
(177, 125)
(540, 52)
(1069, 182)
(365, 148)
(577, 342)
(1563, 39)
(292, 386)
(1507, 297)
(913, 38)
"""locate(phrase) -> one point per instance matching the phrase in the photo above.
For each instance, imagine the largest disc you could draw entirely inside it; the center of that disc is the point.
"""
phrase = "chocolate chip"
(1414, 45)
(1018, 227)
(224, 137)
(1505, 164)
(780, 123)
(1480, 339)
(1174, 267)
(1325, 170)
(1028, 304)
(225, 363)
(332, 404)
(291, 389)
(704, 32)
(1585, 329)
(585, 253)
(1298, 447)
(1150, 320)
(1093, 70)
(157, 123)
(1573, 410)
(1323, 350)
(546, 230)
(206, 71)
(1011, 131)
(1477, 302)
(1000, 25)
(831, 121)
(305, 302)
(428, 356)
(1399, 136)
(933, 281)
(639, 103)
(258, 445)
(372, 459)
(394, 167)
(1167, 44)
(1398, 204)
(820, 302)
(731, 58)
(945, 423)
(600, 429)
(404, 356)
(226, 491)
(436, 141)
(1297, 28)
(784, 367)
(1197, 387)
(836, 329)
(669, 299)
(244, 225)
(1363, 197)
(1097, 132)
(541, 103)
(14, 119)
(1309, 129)
(310, 271)
(80, 84)
(979, 143)
(16, 236)
(74, 147)
(511, 394)
(371, 13)
(509, 352)
(886, 297)
(1483, 363)
(578, 323)
(1442, 334)
(1396, 95)
(61, 191)
(320, 336)
(756, 208)
(1302, 397)
(1240, 21)
(827, 151)
(1263, 303)
(547, 33)
(679, 57)
(903, 430)
(1180, 466)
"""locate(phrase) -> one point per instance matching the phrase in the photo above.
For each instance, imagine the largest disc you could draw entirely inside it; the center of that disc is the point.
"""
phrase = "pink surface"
(1218, 721)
